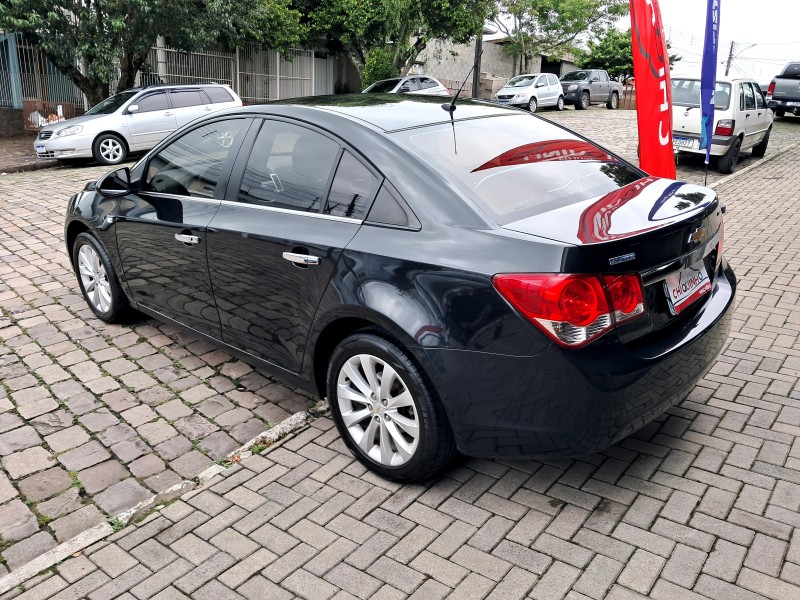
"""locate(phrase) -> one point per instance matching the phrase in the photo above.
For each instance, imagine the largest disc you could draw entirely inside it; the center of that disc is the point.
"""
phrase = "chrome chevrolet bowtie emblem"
(698, 235)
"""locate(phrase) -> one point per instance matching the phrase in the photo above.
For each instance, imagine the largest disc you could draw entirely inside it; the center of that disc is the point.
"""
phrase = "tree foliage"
(613, 52)
(402, 27)
(379, 64)
(91, 40)
(552, 27)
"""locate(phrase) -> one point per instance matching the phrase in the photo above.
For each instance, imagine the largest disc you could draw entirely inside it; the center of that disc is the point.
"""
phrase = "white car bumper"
(70, 146)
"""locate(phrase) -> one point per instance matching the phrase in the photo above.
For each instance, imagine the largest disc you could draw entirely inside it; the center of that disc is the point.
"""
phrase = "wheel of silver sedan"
(378, 410)
(94, 278)
(111, 150)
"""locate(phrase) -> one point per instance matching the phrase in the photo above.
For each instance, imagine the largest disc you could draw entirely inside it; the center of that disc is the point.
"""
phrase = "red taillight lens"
(725, 127)
(771, 89)
(627, 296)
(573, 310)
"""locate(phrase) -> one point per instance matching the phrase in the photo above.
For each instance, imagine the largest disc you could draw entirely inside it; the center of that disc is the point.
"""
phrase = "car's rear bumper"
(71, 146)
(572, 403)
(720, 144)
(785, 105)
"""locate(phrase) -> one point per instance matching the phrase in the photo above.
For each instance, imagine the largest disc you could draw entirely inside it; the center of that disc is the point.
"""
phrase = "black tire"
(435, 446)
(727, 162)
(533, 104)
(109, 149)
(584, 102)
(780, 113)
(613, 102)
(560, 103)
(118, 309)
(760, 149)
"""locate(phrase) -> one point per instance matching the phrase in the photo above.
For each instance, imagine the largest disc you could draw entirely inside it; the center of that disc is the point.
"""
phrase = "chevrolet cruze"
(475, 280)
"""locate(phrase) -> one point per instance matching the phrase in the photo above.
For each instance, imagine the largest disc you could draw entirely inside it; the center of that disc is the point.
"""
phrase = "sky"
(766, 34)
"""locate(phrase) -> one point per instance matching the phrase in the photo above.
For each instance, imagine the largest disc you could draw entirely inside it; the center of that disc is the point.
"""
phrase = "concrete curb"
(98, 532)
(37, 166)
(754, 166)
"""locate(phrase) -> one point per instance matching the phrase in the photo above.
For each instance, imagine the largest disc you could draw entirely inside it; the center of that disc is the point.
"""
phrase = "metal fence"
(28, 80)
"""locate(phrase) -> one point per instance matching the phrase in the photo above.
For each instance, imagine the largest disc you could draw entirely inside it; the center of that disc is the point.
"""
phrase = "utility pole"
(730, 59)
(476, 75)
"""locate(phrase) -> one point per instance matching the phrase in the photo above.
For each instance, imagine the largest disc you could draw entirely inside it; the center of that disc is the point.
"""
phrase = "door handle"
(207, 108)
(747, 116)
(301, 259)
(168, 113)
(189, 240)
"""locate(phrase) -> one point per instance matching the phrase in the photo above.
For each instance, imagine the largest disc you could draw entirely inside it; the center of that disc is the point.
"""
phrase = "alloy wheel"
(94, 278)
(111, 150)
(378, 410)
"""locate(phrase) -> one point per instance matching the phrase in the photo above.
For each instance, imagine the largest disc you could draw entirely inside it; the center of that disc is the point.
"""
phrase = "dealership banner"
(708, 75)
(653, 89)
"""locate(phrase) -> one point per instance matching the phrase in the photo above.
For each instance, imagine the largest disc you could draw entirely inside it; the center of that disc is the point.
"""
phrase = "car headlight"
(521, 95)
(73, 130)
(572, 88)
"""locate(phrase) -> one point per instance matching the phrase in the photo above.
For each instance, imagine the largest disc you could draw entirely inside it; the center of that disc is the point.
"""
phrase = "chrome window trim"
(293, 212)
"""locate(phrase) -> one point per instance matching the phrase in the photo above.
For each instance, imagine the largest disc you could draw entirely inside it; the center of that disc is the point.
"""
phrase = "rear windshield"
(686, 92)
(383, 87)
(576, 76)
(792, 71)
(515, 167)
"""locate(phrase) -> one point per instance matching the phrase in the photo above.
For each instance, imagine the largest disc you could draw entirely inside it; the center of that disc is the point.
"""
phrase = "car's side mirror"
(116, 183)
(594, 80)
(403, 89)
(541, 84)
(133, 108)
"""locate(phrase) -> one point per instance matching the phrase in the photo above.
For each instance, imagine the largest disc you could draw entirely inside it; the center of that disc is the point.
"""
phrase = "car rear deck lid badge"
(698, 235)
(621, 259)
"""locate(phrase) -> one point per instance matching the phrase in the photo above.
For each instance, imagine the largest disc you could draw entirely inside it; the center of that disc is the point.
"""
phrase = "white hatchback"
(413, 84)
(742, 121)
(532, 91)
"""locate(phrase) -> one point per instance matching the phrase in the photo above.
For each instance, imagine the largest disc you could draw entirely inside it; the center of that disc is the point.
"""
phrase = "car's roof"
(720, 78)
(177, 85)
(392, 112)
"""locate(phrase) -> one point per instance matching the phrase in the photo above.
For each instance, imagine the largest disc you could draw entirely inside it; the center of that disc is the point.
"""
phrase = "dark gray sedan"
(477, 280)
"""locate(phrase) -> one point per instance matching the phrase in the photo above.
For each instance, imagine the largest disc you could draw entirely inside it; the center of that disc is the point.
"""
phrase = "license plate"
(686, 286)
(40, 149)
(679, 142)
(503, 101)
(793, 104)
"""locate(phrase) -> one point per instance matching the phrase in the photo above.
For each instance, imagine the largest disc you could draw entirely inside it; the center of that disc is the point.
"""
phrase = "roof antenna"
(451, 106)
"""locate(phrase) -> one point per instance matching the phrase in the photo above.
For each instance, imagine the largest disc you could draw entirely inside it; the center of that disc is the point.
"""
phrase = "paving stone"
(66, 439)
(174, 447)
(162, 481)
(244, 432)
(18, 439)
(84, 456)
(146, 466)
(113, 560)
(191, 464)
(129, 450)
(99, 420)
(26, 462)
(16, 521)
(121, 496)
(99, 477)
(61, 504)
(7, 490)
(195, 427)
(27, 549)
(218, 445)
(175, 409)
(74, 523)
(157, 432)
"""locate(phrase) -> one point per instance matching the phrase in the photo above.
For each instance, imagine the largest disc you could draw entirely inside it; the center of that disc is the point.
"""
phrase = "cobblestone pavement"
(616, 130)
(96, 418)
(16, 154)
(701, 503)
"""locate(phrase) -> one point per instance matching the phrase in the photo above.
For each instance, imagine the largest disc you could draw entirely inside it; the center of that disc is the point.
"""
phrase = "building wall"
(11, 123)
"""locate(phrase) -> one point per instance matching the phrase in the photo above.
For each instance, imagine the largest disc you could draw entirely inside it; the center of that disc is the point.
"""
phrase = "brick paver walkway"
(16, 154)
(702, 503)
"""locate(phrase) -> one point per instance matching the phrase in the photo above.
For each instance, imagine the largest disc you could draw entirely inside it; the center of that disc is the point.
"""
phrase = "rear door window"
(552, 79)
(749, 97)
(289, 167)
(152, 102)
(184, 98)
(218, 94)
(353, 189)
(426, 83)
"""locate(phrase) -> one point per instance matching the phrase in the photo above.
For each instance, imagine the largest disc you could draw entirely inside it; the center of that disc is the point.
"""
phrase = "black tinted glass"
(383, 87)
(513, 168)
(182, 98)
(289, 167)
(218, 94)
(749, 97)
(426, 83)
(193, 164)
(157, 101)
(792, 71)
(352, 190)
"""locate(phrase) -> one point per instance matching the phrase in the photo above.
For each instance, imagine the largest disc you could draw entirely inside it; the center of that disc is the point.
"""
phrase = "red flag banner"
(653, 89)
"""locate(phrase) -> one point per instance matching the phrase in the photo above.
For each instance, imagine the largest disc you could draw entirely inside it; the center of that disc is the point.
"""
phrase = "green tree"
(553, 27)
(99, 42)
(613, 52)
(379, 64)
(403, 28)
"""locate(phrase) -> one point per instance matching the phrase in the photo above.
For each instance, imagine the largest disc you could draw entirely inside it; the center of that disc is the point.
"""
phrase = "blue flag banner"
(708, 76)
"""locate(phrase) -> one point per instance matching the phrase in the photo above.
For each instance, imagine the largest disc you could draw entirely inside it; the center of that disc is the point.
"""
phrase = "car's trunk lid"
(686, 119)
(654, 227)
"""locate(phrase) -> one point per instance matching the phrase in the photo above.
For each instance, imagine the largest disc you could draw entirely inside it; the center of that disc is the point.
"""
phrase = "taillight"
(573, 310)
(725, 127)
(771, 89)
